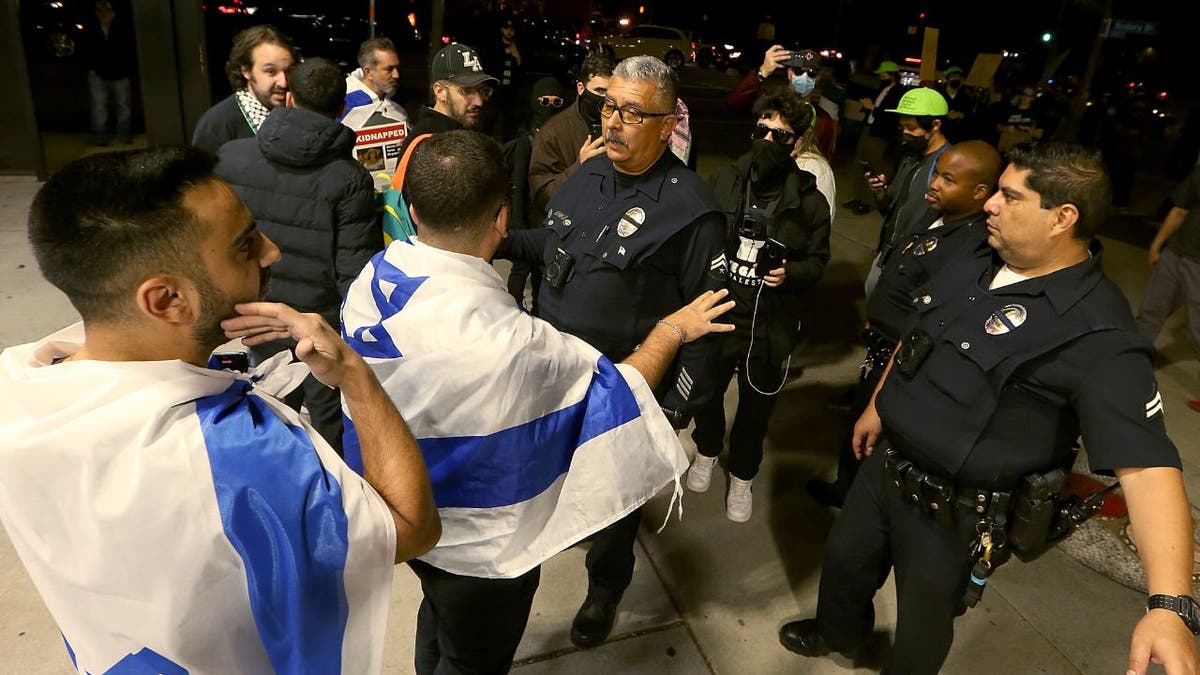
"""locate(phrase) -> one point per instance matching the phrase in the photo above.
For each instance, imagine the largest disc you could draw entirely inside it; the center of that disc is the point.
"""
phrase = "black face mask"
(540, 114)
(913, 145)
(589, 106)
(954, 84)
(769, 159)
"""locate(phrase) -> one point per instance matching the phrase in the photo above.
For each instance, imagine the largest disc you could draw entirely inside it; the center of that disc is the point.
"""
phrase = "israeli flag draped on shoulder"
(532, 438)
(176, 520)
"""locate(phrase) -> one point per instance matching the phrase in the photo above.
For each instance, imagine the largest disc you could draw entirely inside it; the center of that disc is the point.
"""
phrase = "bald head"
(964, 178)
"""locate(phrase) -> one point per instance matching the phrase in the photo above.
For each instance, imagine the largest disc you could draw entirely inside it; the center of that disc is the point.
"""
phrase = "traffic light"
(1047, 37)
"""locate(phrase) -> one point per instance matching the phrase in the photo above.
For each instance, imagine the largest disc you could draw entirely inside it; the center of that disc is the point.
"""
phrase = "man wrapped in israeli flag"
(176, 518)
(533, 439)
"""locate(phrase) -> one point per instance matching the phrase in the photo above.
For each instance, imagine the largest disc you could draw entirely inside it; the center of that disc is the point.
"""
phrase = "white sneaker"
(699, 474)
(739, 503)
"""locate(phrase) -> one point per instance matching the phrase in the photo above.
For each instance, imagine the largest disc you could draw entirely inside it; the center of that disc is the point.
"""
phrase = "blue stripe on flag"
(70, 652)
(351, 447)
(519, 463)
(283, 514)
(380, 345)
(146, 662)
(355, 99)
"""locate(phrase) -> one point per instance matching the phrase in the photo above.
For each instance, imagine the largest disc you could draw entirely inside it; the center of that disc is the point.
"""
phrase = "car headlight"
(734, 55)
(728, 47)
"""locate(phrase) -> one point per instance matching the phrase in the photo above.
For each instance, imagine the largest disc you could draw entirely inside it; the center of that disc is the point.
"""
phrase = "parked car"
(672, 45)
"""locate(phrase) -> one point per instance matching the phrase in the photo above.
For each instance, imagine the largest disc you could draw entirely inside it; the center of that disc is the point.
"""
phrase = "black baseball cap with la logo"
(459, 64)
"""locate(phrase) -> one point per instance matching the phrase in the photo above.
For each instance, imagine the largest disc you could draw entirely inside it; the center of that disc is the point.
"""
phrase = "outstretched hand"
(1162, 638)
(696, 318)
(317, 344)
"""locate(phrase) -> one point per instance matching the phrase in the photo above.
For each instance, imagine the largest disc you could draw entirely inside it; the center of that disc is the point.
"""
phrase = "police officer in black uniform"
(1016, 351)
(629, 237)
(963, 179)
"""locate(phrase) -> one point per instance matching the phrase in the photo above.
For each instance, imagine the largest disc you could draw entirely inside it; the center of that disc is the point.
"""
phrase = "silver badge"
(631, 221)
(926, 246)
(1005, 319)
(620, 250)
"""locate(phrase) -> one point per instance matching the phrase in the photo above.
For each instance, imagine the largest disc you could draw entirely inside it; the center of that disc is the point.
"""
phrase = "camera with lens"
(912, 352)
(558, 270)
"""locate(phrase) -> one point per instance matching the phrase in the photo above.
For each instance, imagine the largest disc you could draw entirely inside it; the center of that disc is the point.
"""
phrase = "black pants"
(468, 625)
(753, 408)
(324, 403)
(876, 530)
(610, 560)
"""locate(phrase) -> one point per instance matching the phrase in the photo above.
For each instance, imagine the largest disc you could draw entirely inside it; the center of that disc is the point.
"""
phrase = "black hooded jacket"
(310, 197)
(802, 225)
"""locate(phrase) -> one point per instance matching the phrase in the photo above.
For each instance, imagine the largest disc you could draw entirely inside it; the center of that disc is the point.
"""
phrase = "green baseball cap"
(954, 69)
(887, 67)
(922, 102)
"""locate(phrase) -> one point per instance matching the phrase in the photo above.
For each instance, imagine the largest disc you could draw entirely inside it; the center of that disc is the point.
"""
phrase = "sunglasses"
(780, 136)
(550, 101)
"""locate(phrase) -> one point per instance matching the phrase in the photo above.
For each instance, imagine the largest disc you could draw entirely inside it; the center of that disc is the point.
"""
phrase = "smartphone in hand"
(770, 257)
(867, 169)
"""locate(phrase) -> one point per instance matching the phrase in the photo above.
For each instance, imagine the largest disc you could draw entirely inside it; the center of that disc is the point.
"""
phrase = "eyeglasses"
(630, 114)
(780, 136)
(550, 101)
(482, 91)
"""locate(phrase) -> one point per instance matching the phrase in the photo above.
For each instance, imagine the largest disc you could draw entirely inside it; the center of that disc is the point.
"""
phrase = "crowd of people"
(408, 404)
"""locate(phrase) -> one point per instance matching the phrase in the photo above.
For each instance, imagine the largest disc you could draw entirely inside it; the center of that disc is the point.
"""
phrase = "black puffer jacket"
(298, 178)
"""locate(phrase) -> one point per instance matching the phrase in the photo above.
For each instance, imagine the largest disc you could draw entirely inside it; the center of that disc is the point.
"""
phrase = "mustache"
(615, 138)
(264, 282)
(279, 90)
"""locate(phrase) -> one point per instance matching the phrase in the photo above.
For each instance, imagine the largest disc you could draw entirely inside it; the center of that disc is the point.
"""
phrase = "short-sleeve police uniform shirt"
(1015, 374)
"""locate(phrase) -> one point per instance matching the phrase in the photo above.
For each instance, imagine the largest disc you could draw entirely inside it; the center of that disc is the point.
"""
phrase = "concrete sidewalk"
(709, 595)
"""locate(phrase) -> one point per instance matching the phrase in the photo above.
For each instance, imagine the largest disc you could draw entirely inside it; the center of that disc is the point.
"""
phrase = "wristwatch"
(1183, 605)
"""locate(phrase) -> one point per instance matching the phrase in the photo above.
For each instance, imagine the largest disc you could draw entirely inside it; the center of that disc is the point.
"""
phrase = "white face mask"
(803, 84)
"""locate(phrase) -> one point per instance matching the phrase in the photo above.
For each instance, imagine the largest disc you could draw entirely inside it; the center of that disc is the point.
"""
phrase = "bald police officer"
(631, 235)
(1021, 347)
(963, 179)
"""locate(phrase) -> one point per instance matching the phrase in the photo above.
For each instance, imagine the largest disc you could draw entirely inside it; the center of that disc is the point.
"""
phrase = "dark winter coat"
(310, 197)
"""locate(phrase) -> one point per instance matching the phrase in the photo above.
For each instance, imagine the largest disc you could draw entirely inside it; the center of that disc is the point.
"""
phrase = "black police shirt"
(912, 263)
(640, 247)
(1014, 375)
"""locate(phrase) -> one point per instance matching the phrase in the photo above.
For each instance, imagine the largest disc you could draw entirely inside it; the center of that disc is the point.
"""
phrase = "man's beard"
(386, 89)
(460, 114)
(265, 97)
(216, 306)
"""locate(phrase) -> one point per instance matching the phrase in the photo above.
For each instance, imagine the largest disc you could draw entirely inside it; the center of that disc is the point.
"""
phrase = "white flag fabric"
(380, 126)
(175, 520)
(532, 438)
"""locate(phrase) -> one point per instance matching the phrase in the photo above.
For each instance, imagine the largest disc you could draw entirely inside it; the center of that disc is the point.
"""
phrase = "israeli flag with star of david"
(532, 438)
(176, 519)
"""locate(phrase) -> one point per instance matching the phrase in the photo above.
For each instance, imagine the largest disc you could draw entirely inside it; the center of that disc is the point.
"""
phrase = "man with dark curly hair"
(257, 71)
